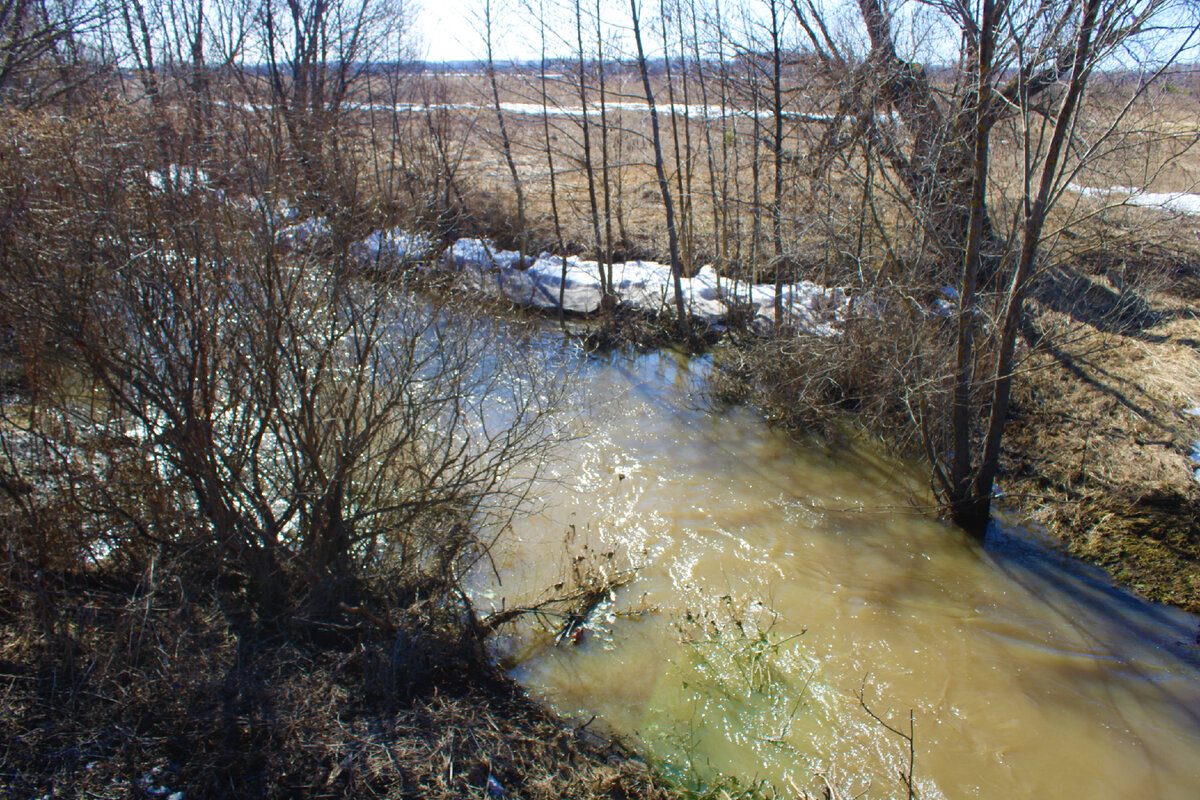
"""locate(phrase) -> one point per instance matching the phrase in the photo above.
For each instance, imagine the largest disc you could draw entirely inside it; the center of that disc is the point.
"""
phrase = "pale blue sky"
(450, 30)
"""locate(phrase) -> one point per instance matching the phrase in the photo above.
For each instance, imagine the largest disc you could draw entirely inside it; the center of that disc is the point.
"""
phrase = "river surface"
(776, 583)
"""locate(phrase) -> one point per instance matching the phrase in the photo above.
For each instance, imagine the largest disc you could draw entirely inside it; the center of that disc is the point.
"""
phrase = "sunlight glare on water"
(775, 582)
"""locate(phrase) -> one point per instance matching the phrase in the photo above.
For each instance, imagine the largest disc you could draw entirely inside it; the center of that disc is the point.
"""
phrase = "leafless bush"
(324, 429)
(884, 366)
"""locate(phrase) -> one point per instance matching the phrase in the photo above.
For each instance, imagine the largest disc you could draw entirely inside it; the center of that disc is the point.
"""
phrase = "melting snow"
(304, 232)
(391, 248)
(177, 177)
(642, 284)
(548, 281)
(1173, 202)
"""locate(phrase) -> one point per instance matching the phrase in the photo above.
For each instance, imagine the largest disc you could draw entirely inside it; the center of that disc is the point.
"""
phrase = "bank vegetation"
(250, 462)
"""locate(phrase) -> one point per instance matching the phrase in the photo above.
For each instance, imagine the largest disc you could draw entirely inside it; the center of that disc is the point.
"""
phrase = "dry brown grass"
(123, 685)
(1100, 442)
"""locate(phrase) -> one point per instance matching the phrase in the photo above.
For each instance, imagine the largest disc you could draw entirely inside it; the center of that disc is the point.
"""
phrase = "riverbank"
(165, 702)
(1102, 444)
(1102, 449)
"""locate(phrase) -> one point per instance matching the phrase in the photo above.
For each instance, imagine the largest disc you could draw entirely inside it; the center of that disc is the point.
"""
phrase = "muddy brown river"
(775, 584)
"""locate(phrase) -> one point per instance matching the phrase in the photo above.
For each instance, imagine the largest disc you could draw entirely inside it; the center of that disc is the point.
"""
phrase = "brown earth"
(1099, 444)
(117, 689)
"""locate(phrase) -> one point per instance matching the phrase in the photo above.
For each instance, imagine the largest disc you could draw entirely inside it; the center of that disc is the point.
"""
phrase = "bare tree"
(1031, 61)
(664, 185)
(313, 428)
(36, 33)
(506, 146)
(324, 428)
(1091, 32)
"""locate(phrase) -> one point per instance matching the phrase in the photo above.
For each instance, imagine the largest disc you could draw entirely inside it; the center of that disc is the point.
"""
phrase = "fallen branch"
(579, 605)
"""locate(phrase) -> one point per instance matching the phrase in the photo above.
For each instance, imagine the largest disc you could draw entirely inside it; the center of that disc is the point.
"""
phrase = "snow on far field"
(1173, 202)
(695, 111)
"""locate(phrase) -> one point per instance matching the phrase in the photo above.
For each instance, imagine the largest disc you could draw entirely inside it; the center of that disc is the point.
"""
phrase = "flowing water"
(778, 583)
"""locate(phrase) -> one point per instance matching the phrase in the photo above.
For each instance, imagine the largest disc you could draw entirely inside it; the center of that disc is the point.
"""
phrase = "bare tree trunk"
(777, 128)
(608, 296)
(505, 142)
(562, 284)
(663, 185)
(977, 506)
(201, 100)
(718, 243)
(683, 155)
(587, 149)
(755, 181)
(964, 507)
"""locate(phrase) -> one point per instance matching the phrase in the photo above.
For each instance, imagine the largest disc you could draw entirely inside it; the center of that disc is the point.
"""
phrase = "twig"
(905, 775)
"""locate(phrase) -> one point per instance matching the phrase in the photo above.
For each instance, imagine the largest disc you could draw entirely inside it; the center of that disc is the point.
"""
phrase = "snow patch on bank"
(549, 281)
(396, 247)
(178, 178)
(304, 232)
(647, 285)
(1195, 457)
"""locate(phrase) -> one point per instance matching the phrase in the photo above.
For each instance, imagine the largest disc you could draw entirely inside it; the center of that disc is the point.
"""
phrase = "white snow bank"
(1184, 203)
(303, 232)
(650, 286)
(177, 177)
(499, 273)
(392, 248)
(479, 255)
(701, 295)
(1177, 202)
(382, 249)
(647, 285)
(277, 212)
(543, 281)
(643, 284)
(806, 306)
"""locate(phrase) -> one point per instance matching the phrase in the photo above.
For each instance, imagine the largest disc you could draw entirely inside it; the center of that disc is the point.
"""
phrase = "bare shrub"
(882, 368)
(325, 430)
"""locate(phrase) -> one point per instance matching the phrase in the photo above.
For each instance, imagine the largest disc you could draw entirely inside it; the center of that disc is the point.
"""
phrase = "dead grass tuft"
(124, 687)
(876, 373)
